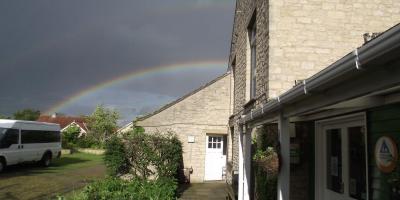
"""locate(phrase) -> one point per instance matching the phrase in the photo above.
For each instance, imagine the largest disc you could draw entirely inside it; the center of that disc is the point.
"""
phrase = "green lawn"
(69, 173)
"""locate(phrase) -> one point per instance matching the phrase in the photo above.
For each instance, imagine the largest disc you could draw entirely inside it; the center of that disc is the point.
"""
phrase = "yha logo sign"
(386, 154)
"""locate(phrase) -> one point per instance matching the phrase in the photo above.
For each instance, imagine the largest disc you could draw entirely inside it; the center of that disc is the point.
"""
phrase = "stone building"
(277, 46)
(200, 121)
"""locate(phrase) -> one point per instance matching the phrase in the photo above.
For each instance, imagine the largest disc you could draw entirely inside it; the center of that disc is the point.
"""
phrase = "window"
(252, 32)
(231, 138)
(35, 136)
(334, 160)
(224, 146)
(214, 142)
(357, 169)
(8, 137)
(233, 83)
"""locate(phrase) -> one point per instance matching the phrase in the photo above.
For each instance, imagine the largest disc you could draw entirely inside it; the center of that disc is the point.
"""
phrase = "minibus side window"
(8, 137)
(36, 136)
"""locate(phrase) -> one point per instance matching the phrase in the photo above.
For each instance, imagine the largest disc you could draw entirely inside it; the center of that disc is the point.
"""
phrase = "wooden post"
(284, 174)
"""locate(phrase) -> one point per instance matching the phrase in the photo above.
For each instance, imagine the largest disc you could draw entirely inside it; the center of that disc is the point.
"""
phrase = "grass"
(69, 173)
(75, 161)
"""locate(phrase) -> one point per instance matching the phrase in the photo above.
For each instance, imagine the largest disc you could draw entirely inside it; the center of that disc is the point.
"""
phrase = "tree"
(27, 114)
(102, 123)
(4, 117)
(71, 134)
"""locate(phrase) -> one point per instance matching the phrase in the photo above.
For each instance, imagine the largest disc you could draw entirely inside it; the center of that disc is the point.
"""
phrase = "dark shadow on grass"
(68, 161)
(27, 169)
(10, 196)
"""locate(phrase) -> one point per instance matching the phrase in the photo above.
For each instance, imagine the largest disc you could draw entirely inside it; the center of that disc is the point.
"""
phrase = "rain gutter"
(354, 61)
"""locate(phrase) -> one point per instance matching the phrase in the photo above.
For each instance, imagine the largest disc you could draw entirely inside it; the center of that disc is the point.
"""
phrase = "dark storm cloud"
(51, 49)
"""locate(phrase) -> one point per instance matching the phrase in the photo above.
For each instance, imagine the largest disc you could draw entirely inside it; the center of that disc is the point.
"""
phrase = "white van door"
(31, 145)
(9, 145)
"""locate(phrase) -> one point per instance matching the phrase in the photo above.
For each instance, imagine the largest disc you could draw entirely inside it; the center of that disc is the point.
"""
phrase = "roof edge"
(182, 98)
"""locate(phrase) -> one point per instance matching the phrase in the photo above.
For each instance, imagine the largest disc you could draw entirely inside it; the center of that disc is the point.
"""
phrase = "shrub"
(88, 142)
(115, 157)
(115, 188)
(71, 134)
(147, 156)
(154, 155)
(266, 162)
(70, 137)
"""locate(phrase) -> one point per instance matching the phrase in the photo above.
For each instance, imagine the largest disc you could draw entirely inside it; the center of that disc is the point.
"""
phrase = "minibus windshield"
(8, 137)
(3, 132)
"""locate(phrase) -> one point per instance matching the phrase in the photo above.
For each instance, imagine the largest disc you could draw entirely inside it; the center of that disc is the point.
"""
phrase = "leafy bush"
(115, 188)
(146, 156)
(71, 134)
(265, 161)
(70, 137)
(88, 142)
(153, 155)
(115, 157)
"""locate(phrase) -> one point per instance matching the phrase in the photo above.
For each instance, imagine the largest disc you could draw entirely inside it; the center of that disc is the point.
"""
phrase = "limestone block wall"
(239, 59)
(308, 35)
(296, 39)
(203, 112)
(239, 55)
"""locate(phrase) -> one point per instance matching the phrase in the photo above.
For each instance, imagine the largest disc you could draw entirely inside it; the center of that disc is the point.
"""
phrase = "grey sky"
(50, 50)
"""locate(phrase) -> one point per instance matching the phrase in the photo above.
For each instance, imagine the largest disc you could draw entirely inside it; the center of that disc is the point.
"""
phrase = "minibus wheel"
(2, 164)
(46, 159)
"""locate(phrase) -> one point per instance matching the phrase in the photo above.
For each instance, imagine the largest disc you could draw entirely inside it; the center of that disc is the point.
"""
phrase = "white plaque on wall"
(190, 139)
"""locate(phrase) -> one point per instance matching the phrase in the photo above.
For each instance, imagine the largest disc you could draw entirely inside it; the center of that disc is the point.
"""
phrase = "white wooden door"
(341, 161)
(215, 160)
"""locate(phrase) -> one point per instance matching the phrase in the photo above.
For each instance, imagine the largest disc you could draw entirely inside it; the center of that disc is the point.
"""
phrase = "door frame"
(223, 143)
(320, 183)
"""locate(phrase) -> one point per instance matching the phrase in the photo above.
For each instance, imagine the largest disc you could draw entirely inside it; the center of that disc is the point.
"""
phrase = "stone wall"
(203, 112)
(308, 35)
(240, 59)
(296, 39)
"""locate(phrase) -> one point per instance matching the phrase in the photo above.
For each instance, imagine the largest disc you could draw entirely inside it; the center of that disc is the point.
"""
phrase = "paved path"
(204, 191)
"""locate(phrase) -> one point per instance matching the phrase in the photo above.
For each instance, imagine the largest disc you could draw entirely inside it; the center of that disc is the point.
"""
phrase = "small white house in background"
(66, 121)
(200, 120)
(82, 127)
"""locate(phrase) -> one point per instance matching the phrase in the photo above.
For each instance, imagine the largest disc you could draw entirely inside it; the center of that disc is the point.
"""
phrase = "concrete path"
(200, 191)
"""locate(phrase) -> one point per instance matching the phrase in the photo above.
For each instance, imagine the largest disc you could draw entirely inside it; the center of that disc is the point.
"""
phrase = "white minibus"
(27, 141)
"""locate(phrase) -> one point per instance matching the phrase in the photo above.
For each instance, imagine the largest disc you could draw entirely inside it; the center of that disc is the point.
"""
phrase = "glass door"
(341, 159)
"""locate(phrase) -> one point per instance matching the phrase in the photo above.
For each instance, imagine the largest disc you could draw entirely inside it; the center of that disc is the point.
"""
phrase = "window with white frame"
(214, 142)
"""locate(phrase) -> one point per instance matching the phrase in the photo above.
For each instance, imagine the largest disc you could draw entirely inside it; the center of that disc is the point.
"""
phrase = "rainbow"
(133, 75)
